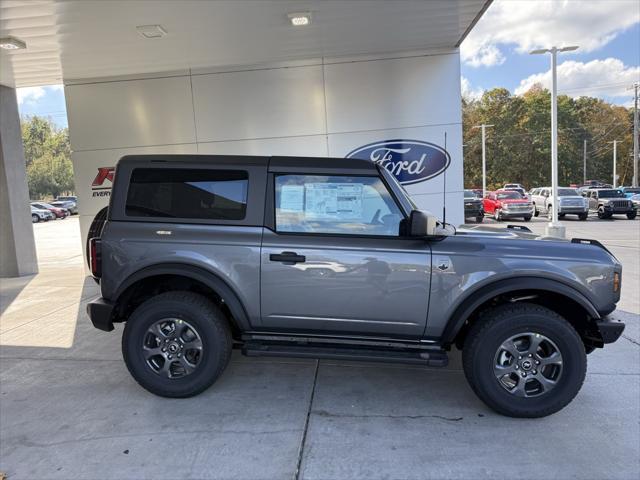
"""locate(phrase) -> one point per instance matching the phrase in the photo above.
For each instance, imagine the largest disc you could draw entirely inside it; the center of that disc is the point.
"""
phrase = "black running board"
(431, 358)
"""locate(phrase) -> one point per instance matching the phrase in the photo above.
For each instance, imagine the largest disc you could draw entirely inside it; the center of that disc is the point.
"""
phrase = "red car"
(58, 212)
(503, 204)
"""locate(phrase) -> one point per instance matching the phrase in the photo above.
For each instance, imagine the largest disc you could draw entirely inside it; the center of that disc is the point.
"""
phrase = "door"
(335, 261)
(489, 203)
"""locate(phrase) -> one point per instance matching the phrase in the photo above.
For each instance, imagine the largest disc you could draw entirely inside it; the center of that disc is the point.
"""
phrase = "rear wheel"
(535, 210)
(524, 360)
(632, 215)
(176, 344)
(561, 215)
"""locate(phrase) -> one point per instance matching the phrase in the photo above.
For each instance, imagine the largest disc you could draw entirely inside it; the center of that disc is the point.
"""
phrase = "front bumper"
(607, 330)
(473, 211)
(100, 312)
(516, 213)
(573, 210)
(618, 210)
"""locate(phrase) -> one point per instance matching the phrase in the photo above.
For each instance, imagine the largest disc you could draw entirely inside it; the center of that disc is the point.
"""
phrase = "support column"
(17, 245)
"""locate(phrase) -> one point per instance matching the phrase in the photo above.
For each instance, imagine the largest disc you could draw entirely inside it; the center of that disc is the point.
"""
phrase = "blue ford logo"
(411, 161)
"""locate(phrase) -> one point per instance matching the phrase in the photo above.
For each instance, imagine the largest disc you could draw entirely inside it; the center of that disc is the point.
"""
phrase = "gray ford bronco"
(329, 258)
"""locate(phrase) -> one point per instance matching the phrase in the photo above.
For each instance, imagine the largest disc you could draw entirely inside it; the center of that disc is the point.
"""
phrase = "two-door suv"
(329, 258)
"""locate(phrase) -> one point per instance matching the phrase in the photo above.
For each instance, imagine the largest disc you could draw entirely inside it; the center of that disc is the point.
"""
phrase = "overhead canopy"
(69, 40)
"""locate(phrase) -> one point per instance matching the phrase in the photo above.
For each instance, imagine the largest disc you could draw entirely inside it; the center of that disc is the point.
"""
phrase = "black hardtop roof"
(275, 164)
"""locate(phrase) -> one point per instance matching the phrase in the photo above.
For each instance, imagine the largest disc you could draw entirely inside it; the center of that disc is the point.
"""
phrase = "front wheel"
(527, 219)
(176, 344)
(479, 218)
(535, 210)
(602, 214)
(632, 215)
(35, 218)
(524, 360)
(496, 215)
(583, 216)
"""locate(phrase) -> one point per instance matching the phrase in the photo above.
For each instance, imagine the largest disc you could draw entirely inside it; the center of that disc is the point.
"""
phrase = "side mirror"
(421, 224)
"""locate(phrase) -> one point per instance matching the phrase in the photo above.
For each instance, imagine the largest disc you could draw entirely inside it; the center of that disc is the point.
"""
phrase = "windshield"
(469, 194)
(513, 194)
(567, 192)
(389, 177)
(632, 190)
(610, 194)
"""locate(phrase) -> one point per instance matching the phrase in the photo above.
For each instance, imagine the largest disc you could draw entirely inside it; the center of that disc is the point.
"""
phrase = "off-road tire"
(602, 215)
(497, 325)
(632, 215)
(210, 323)
(95, 230)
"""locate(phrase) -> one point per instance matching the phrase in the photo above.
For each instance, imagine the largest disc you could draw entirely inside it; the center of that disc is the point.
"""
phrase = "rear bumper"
(100, 312)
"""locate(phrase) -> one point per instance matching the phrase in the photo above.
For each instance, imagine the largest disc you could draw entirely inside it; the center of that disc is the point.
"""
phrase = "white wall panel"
(130, 113)
(308, 146)
(393, 93)
(258, 104)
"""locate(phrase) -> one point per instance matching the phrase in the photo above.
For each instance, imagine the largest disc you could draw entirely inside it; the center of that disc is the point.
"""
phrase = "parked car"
(41, 215)
(201, 254)
(508, 186)
(610, 201)
(630, 191)
(70, 198)
(57, 211)
(520, 190)
(571, 202)
(66, 204)
(636, 200)
(505, 204)
(473, 206)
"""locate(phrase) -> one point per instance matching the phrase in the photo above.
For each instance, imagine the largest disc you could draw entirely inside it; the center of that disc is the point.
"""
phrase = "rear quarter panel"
(232, 253)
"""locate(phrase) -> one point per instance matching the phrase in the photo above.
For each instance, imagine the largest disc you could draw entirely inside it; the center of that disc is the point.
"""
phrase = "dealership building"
(368, 79)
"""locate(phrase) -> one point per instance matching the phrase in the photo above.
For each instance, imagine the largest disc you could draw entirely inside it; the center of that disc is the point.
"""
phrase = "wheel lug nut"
(535, 372)
(523, 374)
(520, 357)
(170, 357)
(530, 355)
(164, 349)
(537, 362)
(517, 367)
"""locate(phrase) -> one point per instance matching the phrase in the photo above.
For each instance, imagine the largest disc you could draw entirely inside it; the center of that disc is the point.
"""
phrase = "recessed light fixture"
(12, 43)
(151, 31)
(300, 19)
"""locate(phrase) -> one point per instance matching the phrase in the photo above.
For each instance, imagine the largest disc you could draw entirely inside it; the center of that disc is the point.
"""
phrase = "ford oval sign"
(411, 161)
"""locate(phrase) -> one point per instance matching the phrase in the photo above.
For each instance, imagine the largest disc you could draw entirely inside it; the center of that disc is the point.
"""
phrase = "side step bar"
(431, 358)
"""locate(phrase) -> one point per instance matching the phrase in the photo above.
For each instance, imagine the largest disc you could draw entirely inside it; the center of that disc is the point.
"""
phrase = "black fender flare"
(211, 280)
(482, 294)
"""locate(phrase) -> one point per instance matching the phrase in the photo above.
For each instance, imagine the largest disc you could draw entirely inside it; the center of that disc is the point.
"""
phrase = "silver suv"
(607, 202)
(570, 202)
(329, 258)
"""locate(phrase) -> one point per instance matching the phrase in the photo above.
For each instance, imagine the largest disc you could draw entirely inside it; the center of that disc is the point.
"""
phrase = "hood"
(514, 200)
(520, 233)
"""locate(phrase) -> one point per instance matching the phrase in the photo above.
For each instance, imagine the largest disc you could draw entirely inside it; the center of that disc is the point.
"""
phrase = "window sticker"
(292, 198)
(333, 200)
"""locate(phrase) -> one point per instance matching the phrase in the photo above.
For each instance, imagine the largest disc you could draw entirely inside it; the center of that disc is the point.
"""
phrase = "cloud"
(609, 77)
(468, 91)
(31, 94)
(527, 25)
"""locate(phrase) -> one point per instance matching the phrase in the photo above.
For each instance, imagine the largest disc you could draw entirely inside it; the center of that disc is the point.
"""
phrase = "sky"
(495, 54)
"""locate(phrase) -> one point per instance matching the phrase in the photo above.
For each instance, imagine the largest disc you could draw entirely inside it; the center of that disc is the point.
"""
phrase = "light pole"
(615, 163)
(483, 127)
(554, 228)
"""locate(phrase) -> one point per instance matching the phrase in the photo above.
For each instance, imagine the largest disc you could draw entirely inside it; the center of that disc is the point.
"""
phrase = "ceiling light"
(299, 19)
(151, 31)
(12, 43)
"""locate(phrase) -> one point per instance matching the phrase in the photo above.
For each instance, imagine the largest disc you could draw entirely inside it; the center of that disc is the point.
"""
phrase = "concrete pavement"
(69, 408)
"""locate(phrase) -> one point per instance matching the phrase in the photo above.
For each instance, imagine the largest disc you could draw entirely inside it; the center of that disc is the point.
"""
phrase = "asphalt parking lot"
(69, 408)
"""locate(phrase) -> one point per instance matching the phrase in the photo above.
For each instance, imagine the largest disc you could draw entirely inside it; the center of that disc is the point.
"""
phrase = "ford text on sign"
(411, 161)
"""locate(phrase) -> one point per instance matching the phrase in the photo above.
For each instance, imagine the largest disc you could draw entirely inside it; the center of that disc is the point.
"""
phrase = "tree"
(519, 144)
(48, 158)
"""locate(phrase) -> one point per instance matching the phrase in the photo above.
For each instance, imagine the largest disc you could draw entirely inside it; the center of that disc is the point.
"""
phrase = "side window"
(201, 194)
(335, 205)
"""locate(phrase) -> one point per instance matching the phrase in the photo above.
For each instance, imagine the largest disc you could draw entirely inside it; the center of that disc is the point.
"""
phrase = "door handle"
(288, 258)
